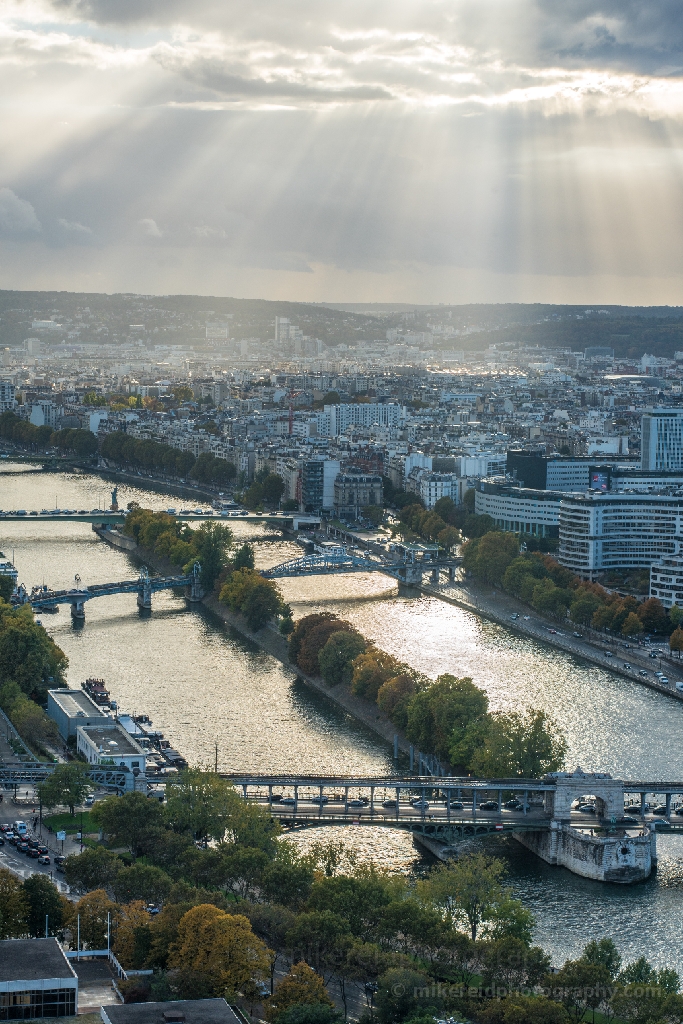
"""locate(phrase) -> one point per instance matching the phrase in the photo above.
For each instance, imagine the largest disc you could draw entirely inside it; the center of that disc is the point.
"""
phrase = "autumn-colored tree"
(14, 906)
(652, 614)
(676, 641)
(221, 948)
(301, 987)
(133, 937)
(314, 641)
(371, 670)
(92, 910)
(394, 697)
(632, 625)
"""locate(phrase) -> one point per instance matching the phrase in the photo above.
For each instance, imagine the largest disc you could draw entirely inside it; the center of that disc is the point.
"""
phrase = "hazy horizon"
(472, 151)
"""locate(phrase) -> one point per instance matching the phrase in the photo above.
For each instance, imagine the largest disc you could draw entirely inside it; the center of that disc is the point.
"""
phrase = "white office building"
(666, 581)
(518, 509)
(599, 532)
(662, 439)
(7, 396)
(337, 418)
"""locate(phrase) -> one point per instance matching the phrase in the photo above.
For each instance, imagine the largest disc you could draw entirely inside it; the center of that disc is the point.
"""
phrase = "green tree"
(604, 953)
(128, 820)
(509, 965)
(68, 784)
(141, 882)
(309, 1013)
(676, 615)
(14, 906)
(551, 600)
(92, 869)
(6, 587)
(526, 745)
(440, 716)
(580, 986)
(519, 570)
(374, 513)
(468, 891)
(584, 607)
(43, 902)
(337, 657)
(213, 541)
(489, 556)
(202, 804)
(652, 614)
(244, 557)
(28, 655)
(359, 898)
(98, 916)
(399, 995)
(273, 487)
(263, 604)
(321, 939)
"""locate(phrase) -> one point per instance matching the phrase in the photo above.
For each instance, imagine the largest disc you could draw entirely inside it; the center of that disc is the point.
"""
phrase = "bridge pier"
(78, 611)
(145, 598)
(195, 591)
(435, 577)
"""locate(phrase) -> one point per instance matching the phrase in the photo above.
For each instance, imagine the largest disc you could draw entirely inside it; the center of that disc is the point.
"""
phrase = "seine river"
(203, 684)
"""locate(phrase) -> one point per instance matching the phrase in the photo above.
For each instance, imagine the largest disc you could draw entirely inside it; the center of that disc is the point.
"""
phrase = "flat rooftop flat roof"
(33, 960)
(113, 741)
(73, 701)
(190, 1011)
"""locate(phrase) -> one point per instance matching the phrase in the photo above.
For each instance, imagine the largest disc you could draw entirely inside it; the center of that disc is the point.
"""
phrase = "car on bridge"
(320, 799)
(489, 805)
(456, 805)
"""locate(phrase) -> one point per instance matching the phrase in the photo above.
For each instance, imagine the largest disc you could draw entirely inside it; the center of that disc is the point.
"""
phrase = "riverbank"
(499, 608)
(271, 640)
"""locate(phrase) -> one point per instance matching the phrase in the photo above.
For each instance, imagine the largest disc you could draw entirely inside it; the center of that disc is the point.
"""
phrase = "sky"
(338, 150)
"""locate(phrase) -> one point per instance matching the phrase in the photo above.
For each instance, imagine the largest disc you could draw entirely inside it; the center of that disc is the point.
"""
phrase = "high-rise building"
(662, 439)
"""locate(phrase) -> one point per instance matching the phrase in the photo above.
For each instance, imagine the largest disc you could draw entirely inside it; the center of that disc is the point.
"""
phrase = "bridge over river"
(578, 820)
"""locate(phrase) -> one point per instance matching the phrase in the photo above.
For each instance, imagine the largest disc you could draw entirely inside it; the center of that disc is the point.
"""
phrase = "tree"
(370, 670)
(399, 996)
(262, 604)
(676, 615)
(300, 987)
(69, 784)
(96, 915)
(320, 938)
(127, 820)
(632, 625)
(584, 607)
(28, 655)
(516, 1009)
(337, 656)
(202, 803)
(676, 641)
(133, 938)
(32, 724)
(221, 948)
(45, 905)
(141, 882)
(490, 556)
(509, 965)
(526, 745)
(360, 898)
(6, 587)
(652, 614)
(92, 869)
(14, 906)
(519, 570)
(288, 878)
(468, 890)
(374, 514)
(604, 953)
(273, 487)
(551, 600)
(244, 557)
(310, 1013)
(213, 541)
(313, 637)
(439, 716)
(394, 698)
(580, 986)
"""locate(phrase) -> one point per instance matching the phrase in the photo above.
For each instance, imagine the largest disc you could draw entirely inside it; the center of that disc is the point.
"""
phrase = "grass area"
(64, 822)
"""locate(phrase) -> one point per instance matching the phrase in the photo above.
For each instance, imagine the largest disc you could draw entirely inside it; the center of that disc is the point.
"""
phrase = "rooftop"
(32, 960)
(113, 740)
(187, 1011)
(74, 701)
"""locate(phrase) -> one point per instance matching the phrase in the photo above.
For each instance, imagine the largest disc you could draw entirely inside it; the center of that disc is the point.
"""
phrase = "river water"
(203, 684)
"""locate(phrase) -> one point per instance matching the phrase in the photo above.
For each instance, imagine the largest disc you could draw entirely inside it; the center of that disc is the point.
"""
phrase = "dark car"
(489, 805)
(32, 852)
(288, 800)
(513, 805)
(23, 847)
(2, 841)
(13, 839)
(456, 805)
(579, 635)
(389, 803)
(628, 820)
(660, 810)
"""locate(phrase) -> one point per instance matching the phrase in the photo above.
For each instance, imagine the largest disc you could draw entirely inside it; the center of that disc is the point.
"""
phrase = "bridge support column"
(474, 803)
(145, 596)
(653, 846)
(78, 611)
(435, 577)
(412, 757)
(668, 806)
(642, 804)
(195, 591)
(451, 574)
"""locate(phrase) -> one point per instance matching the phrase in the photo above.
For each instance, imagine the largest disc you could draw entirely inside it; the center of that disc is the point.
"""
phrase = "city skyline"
(433, 153)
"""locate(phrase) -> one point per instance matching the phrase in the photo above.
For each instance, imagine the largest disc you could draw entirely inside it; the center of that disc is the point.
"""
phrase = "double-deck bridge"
(42, 598)
(451, 808)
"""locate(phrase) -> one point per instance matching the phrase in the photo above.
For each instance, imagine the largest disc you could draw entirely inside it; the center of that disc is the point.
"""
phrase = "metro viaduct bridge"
(42, 599)
(450, 809)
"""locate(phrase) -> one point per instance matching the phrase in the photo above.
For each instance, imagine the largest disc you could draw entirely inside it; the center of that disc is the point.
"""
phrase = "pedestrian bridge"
(43, 599)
